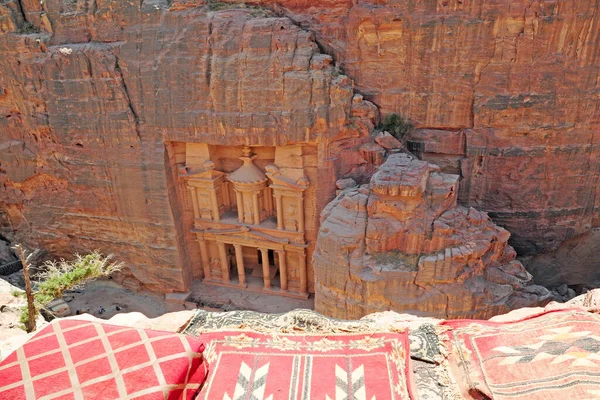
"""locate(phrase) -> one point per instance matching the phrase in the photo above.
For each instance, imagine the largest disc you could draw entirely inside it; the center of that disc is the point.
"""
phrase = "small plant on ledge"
(28, 28)
(396, 126)
(255, 11)
(57, 277)
(218, 5)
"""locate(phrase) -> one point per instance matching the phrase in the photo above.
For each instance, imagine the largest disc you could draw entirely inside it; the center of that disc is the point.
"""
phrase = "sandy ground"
(213, 297)
(115, 299)
(108, 295)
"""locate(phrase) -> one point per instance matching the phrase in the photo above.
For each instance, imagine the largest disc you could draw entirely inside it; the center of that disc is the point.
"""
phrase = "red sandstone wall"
(85, 123)
(515, 81)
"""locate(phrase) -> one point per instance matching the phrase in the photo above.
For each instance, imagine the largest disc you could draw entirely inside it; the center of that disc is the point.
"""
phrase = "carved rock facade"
(250, 224)
(105, 138)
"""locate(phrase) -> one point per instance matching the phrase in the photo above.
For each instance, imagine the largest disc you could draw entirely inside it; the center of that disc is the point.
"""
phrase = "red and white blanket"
(76, 359)
(250, 365)
(552, 355)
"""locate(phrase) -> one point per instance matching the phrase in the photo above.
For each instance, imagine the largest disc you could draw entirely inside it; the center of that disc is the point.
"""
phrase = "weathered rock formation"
(401, 243)
(575, 263)
(506, 94)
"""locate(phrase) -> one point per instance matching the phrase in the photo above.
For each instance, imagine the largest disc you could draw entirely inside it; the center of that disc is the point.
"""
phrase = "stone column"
(303, 273)
(239, 258)
(301, 214)
(195, 202)
(255, 209)
(225, 191)
(240, 206)
(224, 262)
(282, 269)
(265, 267)
(215, 205)
(204, 257)
(268, 201)
(279, 204)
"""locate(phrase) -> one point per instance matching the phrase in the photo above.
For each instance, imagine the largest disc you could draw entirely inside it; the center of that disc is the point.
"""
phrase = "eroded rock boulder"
(6, 254)
(401, 243)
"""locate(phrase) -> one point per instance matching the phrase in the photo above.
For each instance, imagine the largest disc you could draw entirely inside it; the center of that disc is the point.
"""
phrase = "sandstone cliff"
(400, 243)
(90, 104)
(506, 94)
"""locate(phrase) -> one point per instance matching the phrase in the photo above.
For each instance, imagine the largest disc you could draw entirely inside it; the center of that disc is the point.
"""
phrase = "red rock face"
(508, 91)
(85, 124)
(506, 94)
(401, 243)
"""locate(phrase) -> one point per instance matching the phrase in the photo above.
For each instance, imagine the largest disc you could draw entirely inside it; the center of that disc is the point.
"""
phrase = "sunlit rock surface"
(401, 243)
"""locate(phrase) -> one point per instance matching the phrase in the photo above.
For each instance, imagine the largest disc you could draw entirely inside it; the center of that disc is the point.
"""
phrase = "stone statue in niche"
(231, 258)
(215, 263)
(203, 202)
(248, 211)
(291, 218)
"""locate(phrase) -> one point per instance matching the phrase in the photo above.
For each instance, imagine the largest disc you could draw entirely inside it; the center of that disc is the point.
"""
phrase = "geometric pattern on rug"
(554, 355)
(424, 344)
(77, 359)
(259, 366)
(299, 320)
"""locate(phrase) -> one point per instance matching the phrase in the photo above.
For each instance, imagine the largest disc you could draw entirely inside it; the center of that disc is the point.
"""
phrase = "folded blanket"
(83, 359)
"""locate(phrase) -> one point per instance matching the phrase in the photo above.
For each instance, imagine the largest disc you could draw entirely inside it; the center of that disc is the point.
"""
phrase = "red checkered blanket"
(76, 359)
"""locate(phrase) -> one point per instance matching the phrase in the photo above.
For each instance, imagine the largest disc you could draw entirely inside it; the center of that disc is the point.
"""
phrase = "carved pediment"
(206, 172)
(284, 182)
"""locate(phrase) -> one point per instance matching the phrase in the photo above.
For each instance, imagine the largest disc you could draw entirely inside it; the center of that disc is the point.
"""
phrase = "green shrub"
(63, 275)
(28, 28)
(58, 276)
(255, 11)
(218, 6)
(396, 126)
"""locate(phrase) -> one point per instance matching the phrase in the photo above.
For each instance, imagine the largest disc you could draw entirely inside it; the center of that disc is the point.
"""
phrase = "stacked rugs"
(259, 366)
(77, 359)
(552, 355)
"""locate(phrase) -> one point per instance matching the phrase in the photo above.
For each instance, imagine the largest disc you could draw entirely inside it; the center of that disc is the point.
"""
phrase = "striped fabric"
(553, 355)
(250, 365)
